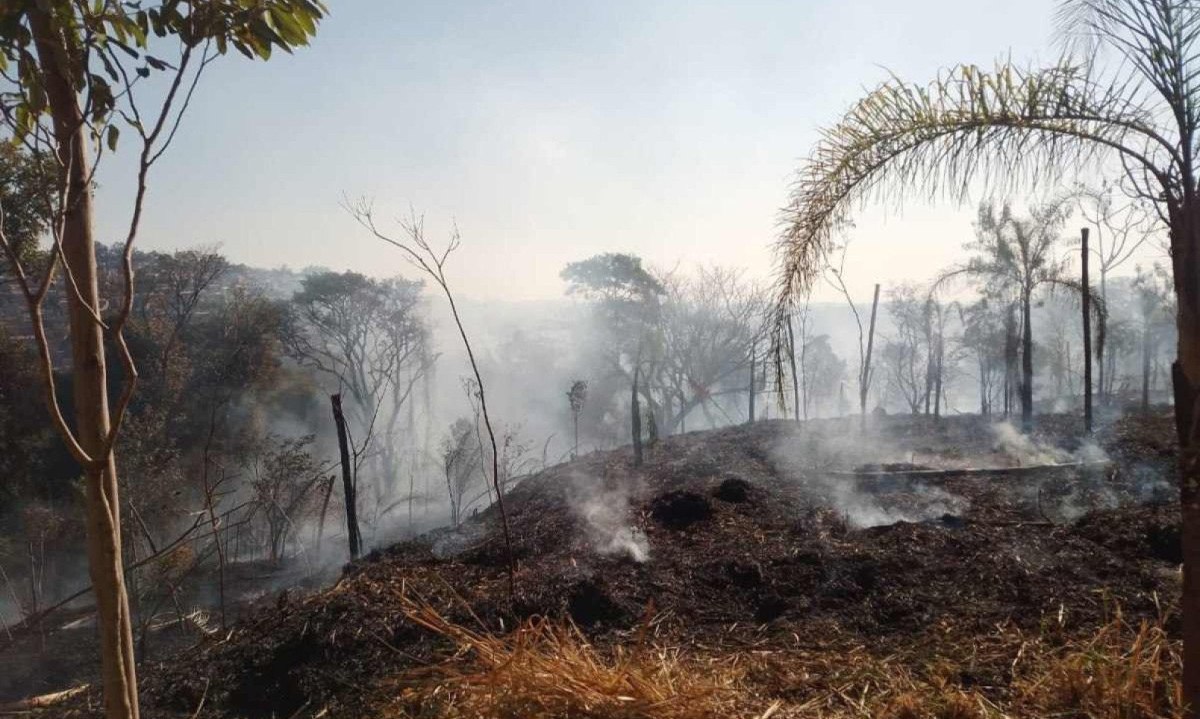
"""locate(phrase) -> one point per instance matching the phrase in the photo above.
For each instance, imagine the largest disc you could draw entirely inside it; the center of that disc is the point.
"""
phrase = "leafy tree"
(1126, 91)
(27, 181)
(1013, 257)
(73, 71)
(908, 352)
(1153, 291)
(984, 337)
(824, 373)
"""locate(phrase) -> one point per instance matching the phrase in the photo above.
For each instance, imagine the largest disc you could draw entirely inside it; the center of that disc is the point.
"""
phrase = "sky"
(552, 131)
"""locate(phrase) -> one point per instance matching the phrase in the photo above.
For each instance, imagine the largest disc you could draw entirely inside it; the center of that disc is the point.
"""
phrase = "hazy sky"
(555, 130)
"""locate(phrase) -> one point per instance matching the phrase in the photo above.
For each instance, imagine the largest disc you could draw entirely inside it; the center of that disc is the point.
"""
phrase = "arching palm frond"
(1157, 40)
(1007, 127)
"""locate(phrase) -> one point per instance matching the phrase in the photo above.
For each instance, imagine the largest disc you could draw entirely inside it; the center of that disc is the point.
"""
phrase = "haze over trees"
(1124, 94)
(277, 423)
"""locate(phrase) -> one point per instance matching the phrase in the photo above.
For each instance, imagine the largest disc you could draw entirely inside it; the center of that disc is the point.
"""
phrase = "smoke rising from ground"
(604, 510)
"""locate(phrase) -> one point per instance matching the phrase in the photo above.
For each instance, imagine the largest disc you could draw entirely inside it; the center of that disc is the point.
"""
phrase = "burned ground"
(754, 541)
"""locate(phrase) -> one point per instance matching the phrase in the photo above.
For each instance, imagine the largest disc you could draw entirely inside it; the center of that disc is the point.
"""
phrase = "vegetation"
(793, 523)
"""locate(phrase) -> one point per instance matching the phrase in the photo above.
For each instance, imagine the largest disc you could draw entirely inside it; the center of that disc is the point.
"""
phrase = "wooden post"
(347, 477)
(1087, 334)
(865, 381)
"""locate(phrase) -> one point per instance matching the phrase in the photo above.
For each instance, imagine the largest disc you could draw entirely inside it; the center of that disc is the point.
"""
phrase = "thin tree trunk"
(1087, 336)
(89, 371)
(1146, 365)
(636, 419)
(325, 510)
(752, 360)
(1027, 360)
(792, 360)
(1106, 376)
(938, 370)
(865, 381)
(339, 418)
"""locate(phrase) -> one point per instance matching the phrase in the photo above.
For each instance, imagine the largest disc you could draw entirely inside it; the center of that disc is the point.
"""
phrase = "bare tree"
(1121, 225)
(420, 254)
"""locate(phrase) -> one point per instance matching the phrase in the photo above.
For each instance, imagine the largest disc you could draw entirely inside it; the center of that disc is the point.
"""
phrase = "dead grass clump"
(1122, 672)
(545, 669)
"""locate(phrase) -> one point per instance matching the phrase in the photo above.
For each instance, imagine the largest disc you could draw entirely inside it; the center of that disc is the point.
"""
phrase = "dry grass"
(1123, 672)
(545, 670)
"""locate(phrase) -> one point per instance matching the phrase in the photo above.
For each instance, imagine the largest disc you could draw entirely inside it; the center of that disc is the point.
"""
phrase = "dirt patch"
(680, 509)
(734, 490)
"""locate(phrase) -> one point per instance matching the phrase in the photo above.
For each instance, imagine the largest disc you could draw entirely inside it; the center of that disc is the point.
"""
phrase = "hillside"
(738, 542)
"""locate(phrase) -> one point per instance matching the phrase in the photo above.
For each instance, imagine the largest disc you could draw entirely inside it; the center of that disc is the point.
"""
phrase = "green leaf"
(113, 133)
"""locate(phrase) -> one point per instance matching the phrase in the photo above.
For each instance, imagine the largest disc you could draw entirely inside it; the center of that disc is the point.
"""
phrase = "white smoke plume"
(1024, 449)
(605, 513)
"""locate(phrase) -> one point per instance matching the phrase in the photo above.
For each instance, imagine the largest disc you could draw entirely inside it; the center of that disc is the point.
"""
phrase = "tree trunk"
(636, 420)
(1146, 365)
(89, 372)
(865, 380)
(1106, 375)
(792, 360)
(348, 488)
(752, 359)
(575, 453)
(1185, 372)
(939, 369)
(1087, 336)
(1027, 359)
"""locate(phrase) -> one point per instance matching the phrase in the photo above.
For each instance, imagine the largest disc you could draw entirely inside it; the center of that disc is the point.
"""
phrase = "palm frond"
(1158, 40)
(1007, 127)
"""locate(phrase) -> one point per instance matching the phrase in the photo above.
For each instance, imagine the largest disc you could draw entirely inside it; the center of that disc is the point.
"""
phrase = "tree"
(710, 321)
(1013, 258)
(73, 70)
(1122, 225)
(984, 336)
(576, 397)
(1152, 288)
(824, 373)
(1126, 91)
(415, 248)
(371, 338)
(461, 459)
(26, 183)
(908, 353)
(628, 302)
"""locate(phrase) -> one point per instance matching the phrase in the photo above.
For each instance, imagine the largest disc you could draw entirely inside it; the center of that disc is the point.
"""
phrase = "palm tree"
(1125, 95)
(1013, 257)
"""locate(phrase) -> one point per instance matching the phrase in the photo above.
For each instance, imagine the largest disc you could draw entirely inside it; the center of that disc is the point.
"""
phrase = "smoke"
(605, 514)
(1024, 449)
(862, 509)
(820, 460)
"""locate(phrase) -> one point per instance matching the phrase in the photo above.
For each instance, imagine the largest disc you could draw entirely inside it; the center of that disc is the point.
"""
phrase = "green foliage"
(611, 277)
(25, 183)
(112, 46)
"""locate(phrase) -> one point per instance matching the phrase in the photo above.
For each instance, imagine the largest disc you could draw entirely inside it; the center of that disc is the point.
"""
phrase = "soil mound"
(778, 559)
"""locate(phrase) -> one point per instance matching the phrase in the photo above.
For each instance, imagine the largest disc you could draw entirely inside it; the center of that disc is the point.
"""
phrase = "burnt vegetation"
(677, 492)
